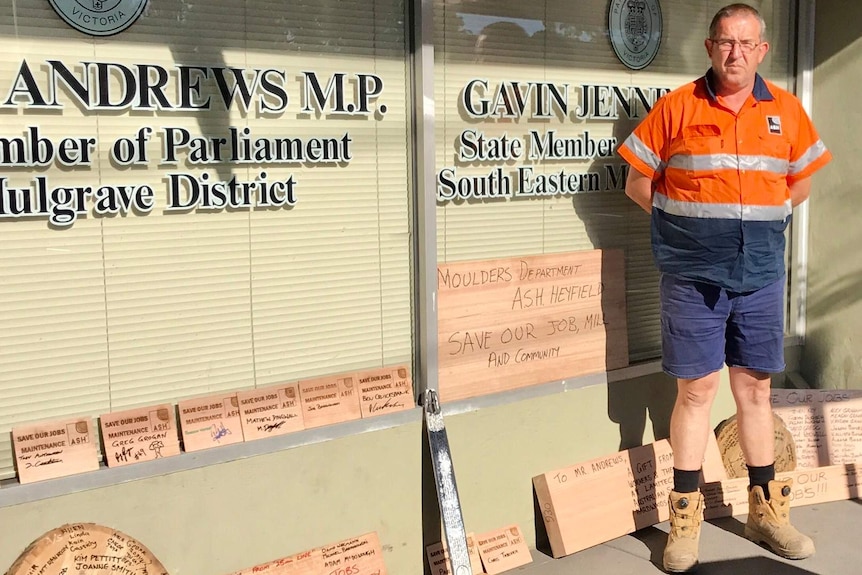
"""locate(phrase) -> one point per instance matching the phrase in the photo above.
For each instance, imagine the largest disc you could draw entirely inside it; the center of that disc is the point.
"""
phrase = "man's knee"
(698, 392)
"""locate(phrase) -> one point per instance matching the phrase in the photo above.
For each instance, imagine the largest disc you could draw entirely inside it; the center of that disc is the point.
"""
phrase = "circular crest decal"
(99, 17)
(635, 28)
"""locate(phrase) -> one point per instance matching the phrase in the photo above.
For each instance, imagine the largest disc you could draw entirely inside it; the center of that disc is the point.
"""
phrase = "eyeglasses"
(745, 46)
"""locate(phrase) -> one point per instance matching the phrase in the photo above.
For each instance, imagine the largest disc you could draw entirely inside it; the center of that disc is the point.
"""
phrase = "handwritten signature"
(388, 404)
(272, 426)
(49, 453)
(219, 431)
(44, 462)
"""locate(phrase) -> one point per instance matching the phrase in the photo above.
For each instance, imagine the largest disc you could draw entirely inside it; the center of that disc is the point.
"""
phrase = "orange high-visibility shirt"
(722, 201)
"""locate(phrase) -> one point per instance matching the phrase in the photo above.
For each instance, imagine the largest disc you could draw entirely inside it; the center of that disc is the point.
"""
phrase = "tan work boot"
(686, 515)
(769, 521)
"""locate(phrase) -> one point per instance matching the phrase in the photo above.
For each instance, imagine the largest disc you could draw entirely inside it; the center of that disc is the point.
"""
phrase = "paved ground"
(835, 527)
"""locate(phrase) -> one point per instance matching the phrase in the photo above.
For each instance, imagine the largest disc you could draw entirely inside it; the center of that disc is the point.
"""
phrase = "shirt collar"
(760, 92)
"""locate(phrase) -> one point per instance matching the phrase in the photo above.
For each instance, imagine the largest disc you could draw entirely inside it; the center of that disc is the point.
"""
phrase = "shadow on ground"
(654, 539)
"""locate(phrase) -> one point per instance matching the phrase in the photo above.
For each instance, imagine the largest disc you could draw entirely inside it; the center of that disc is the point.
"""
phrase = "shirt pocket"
(696, 153)
(774, 158)
(774, 147)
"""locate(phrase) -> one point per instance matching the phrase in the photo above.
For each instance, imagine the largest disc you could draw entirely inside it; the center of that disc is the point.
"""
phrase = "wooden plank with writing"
(328, 400)
(270, 411)
(810, 486)
(210, 421)
(52, 449)
(385, 390)
(357, 556)
(725, 498)
(305, 563)
(138, 435)
(503, 549)
(824, 424)
(515, 322)
(601, 499)
(438, 557)
(727, 437)
(86, 548)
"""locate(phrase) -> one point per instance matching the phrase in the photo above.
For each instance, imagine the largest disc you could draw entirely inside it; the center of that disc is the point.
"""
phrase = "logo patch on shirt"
(774, 123)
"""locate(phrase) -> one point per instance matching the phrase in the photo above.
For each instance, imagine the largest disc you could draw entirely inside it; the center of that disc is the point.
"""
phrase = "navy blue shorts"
(704, 326)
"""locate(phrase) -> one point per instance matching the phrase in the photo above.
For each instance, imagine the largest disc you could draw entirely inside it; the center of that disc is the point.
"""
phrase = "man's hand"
(639, 188)
(799, 191)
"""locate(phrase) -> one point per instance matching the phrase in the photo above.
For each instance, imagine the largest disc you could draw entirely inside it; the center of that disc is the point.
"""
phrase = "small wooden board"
(305, 563)
(503, 549)
(270, 411)
(138, 435)
(210, 421)
(357, 556)
(330, 399)
(385, 390)
(54, 449)
(438, 557)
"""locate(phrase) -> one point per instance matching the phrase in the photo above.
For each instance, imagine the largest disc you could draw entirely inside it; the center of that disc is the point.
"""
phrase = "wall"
(217, 519)
(831, 356)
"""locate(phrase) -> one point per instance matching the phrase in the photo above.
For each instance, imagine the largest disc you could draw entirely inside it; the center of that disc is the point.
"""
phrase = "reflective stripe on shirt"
(722, 211)
(729, 162)
(810, 155)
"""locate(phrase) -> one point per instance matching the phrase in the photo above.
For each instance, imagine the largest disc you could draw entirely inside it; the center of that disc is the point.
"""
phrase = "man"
(719, 164)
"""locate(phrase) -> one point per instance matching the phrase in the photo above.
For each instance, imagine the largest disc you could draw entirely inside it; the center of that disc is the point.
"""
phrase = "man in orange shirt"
(719, 164)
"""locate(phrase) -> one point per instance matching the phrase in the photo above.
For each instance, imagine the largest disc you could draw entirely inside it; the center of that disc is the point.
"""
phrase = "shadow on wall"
(631, 402)
(836, 28)
(613, 221)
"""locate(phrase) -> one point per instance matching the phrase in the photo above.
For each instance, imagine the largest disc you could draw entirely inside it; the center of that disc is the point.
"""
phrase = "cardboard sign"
(271, 411)
(305, 563)
(357, 556)
(503, 549)
(54, 449)
(510, 323)
(598, 500)
(824, 424)
(328, 400)
(385, 390)
(138, 435)
(210, 421)
(438, 557)
(86, 548)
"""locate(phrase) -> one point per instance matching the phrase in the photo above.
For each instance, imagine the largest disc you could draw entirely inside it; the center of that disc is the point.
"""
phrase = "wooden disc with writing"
(86, 549)
(727, 437)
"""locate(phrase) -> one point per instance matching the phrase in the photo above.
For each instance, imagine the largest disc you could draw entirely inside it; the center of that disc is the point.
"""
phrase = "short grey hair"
(738, 9)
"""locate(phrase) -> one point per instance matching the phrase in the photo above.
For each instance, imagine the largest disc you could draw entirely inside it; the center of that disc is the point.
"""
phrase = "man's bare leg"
(689, 430)
(751, 391)
(768, 520)
(689, 422)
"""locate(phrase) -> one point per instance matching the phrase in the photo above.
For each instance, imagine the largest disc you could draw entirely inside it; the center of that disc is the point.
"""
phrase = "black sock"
(685, 481)
(761, 476)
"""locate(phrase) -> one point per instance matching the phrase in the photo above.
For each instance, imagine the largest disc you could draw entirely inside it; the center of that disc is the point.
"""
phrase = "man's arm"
(639, 188)
(799, 191)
